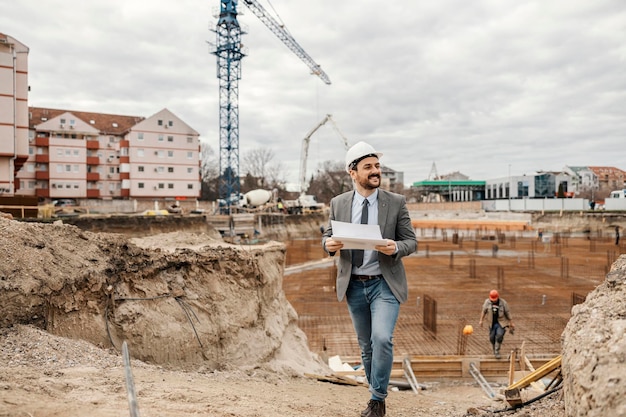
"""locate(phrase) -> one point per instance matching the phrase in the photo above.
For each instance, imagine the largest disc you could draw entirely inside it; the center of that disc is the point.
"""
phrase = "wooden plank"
(512, 367)
(335, 379)
(522, 357)
(542, 371)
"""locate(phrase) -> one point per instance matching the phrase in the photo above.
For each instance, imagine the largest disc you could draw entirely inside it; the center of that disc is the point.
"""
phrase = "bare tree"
(329, 180)
(209, 172)
(257, 163)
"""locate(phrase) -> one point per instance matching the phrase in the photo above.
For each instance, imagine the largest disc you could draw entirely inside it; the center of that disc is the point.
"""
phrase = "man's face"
(367, 173)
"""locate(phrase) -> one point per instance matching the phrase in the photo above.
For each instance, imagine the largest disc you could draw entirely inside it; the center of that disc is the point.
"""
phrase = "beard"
(370, 183)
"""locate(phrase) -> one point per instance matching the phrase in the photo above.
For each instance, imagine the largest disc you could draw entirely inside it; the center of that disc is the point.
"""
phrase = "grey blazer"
(395, 224)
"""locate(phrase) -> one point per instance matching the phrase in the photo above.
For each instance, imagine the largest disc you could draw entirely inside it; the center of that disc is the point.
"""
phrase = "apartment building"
(84, 155)
(609, 178)
(13, 111)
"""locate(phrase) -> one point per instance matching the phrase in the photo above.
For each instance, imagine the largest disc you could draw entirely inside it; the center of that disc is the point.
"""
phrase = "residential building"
(609, 178)
(84, 155)
(391, 179)
(13, 111)
(583, 178)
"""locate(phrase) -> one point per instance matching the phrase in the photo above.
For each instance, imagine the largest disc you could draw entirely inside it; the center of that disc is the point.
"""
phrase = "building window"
(170, 154)
(170, 138)
(161, 185)
(68, 168)
(189, 170)
(140, 185)
(189, 139)
(189, 155)
(140, 153)
(160, 138)
(190, 186)
(170, 169)
(160, 122)
(140, 168)
(62, 121)
(140, 136)
(170, 185)
(170, 123)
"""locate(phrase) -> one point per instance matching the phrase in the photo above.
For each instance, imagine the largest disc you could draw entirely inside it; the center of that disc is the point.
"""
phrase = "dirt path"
(44, 375)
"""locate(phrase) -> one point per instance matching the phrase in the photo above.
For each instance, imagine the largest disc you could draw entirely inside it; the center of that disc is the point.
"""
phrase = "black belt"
(364, 277)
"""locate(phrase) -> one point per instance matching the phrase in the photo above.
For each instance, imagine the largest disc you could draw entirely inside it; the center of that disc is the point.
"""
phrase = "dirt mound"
(181, 300)
(594, 350)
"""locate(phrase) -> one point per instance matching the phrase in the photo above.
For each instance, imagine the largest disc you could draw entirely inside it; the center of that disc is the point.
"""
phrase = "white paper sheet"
(357, 236)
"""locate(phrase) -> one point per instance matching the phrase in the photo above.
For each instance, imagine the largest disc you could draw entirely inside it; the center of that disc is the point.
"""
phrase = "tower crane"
(305, 148)
(229, 52)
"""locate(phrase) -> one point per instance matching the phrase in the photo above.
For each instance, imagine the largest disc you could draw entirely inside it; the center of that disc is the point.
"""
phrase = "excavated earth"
(210, 332)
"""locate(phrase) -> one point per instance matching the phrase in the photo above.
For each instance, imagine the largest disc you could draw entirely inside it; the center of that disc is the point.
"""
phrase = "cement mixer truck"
(251, 200)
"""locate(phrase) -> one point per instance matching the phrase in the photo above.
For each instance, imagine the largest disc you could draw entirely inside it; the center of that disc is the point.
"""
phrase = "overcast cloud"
(478, 87)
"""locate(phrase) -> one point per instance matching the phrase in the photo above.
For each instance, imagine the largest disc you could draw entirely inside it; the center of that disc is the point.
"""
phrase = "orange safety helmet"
(493, 295)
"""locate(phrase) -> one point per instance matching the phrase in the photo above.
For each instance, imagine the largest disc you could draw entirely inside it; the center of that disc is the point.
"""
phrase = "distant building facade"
(596, 182)
(449, 190)
(609, 178)
(536, 185)
(84, 155)
(13, 112)
(583, 178)
(391, 179)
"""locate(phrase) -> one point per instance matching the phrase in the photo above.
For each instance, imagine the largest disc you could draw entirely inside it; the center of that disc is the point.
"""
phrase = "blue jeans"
(374, 311)
(496, 333)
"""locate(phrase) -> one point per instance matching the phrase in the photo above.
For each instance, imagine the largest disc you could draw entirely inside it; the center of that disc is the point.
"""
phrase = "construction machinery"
(229, 52)
(305, 148)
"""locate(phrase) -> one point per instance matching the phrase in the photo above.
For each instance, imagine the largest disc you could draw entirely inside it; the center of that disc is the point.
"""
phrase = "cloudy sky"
(483, 87)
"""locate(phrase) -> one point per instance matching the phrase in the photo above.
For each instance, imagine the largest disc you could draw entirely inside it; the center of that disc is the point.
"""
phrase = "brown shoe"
(374, 409)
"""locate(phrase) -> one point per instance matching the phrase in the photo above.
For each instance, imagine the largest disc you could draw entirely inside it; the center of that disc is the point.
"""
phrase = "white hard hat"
(359, 151)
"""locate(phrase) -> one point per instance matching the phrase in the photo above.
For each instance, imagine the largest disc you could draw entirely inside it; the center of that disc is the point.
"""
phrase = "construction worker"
(500, 320)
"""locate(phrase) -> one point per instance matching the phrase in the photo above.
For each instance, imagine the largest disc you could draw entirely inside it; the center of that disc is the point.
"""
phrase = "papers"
(357, 236)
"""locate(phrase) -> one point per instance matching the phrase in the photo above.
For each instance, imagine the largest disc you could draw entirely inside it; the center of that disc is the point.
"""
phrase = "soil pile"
(594, 350)
(192, 300)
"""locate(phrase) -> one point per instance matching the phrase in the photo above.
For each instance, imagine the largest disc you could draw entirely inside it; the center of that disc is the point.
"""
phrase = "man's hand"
(388, 249)
(333, 245)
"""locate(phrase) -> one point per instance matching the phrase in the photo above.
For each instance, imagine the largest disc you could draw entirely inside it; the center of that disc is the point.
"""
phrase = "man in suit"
(373, 282)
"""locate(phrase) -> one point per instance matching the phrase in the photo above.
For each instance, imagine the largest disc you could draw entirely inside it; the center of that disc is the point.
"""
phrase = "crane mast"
(228, 49)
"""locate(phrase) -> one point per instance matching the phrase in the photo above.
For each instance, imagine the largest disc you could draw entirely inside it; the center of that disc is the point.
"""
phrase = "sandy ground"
(45, 375)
